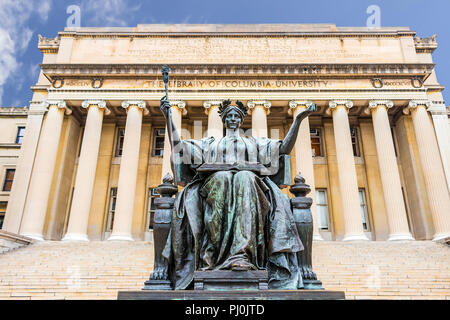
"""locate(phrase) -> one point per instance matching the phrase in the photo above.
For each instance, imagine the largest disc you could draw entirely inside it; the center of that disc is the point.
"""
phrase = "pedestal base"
(232, 295)
(157, 285)
(231, 280)
(312, 284)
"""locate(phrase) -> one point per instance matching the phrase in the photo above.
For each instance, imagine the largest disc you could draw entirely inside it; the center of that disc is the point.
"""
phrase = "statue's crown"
(226, 106)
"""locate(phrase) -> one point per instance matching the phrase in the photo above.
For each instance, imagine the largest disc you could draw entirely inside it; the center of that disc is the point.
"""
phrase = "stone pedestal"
(232, 295)
(231, 280)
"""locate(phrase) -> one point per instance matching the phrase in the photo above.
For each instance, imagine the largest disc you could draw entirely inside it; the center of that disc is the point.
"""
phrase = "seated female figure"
(232, 216)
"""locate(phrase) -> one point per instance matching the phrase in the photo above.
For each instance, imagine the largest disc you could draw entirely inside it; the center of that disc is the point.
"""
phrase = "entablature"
(421, 70)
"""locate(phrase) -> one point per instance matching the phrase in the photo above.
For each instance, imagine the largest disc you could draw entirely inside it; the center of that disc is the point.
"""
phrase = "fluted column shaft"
(347, 172)
(178, 109)
(259, 112)
(41, 179)
(87, 165)
(390, 177)
(19, 190)
(215, 124)
(434, 178)
(304, 158)
(123, 216)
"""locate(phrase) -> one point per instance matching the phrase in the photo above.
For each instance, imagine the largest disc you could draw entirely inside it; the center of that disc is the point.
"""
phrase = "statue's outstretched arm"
(289, 141)
(165, 108)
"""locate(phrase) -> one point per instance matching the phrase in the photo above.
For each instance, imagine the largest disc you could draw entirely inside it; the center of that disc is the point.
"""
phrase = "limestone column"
(215, 124)
(304, 158)
(123, 216)
(442, 130)
(347, 172)
(87, 165)
(390, 177)
(41, 178)
(434, 177)
(178, 111)
(259, 110)
(16, 202)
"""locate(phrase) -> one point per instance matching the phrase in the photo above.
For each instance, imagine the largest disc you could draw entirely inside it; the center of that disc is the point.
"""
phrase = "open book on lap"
(213, 167)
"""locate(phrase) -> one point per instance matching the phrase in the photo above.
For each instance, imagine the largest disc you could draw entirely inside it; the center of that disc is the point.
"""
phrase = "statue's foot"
(160, 273)
(242, 266)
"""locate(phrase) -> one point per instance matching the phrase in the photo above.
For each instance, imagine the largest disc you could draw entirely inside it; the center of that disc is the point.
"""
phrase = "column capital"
(252, 104)
(374, 104)
(335, 103)
(61, 104)
(293, 104)
(101, 104)
(210, 103)
(416, 103)
(296, 103)
(138, 103)
(181, 105)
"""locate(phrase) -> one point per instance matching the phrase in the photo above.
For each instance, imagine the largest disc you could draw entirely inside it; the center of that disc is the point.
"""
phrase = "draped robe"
(233, 217)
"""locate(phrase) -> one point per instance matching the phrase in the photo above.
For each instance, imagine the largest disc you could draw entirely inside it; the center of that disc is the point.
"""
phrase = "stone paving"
(98, 270)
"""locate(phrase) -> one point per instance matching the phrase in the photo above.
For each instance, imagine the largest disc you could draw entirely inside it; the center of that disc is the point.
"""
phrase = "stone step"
(98, 270)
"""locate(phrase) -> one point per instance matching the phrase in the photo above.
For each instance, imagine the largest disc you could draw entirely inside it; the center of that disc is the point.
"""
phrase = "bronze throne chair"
(300, 206)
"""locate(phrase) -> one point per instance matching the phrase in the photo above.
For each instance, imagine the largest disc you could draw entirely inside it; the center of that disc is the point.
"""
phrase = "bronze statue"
(231, 213)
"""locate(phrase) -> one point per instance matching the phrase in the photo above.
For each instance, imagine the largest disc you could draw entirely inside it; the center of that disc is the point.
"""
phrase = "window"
(363, 205)
(112, 209)
(316, 142)
(9, 177)
(323, 219)
(355, 142)
(3, 205)
(158, 142)
(152, 194)
(20, 134)
(119, 143)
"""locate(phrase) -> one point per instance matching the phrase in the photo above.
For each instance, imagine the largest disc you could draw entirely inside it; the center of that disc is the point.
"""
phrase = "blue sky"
(22, 20)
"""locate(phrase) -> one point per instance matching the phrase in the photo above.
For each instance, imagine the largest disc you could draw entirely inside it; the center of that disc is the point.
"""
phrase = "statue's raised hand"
(306, 112)
(165, 106)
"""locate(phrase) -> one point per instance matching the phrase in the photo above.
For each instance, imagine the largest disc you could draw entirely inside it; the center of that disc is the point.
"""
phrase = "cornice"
(111, 34)
(13, 111)
(418, 70)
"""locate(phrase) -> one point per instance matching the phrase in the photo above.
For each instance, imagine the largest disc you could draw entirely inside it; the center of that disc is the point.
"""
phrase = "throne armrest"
(283, 177)
(183, 171)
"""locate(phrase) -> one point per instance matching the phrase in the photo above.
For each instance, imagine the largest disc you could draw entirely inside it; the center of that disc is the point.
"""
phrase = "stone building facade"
(376, 152)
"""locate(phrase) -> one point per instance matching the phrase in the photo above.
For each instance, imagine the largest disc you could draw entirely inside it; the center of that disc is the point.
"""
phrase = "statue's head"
(232, 115)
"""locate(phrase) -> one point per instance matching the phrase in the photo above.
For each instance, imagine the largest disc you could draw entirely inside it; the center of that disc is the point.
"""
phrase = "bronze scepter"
(165, 74)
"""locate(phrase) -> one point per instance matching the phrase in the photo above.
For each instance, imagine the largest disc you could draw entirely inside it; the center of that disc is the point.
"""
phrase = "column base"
(34, 236)
(441, 236)
(355, 237)
(317, 237)
(75, 237)
(401, 237)
(120, 237)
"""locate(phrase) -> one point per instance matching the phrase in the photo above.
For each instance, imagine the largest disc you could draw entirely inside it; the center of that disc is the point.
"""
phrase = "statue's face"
(232, 120)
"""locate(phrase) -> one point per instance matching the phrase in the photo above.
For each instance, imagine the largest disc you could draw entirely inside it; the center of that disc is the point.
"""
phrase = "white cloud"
(107, 13)
(15, 35)
(44, 8)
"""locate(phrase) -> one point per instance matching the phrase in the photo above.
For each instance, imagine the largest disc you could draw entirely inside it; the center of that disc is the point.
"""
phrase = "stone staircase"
(98, 270)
